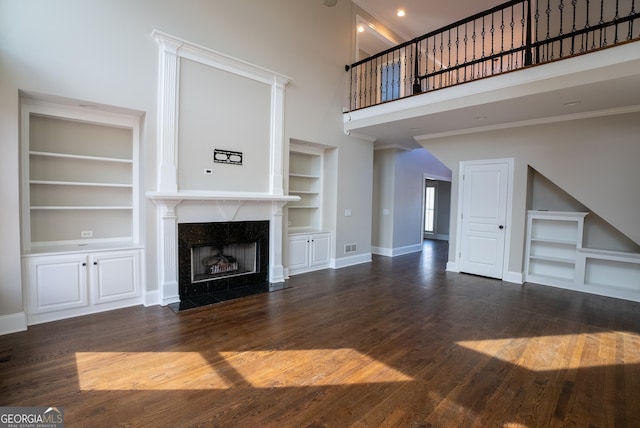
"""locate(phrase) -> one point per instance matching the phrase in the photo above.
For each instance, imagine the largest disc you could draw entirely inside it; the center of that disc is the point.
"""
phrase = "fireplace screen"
(221, 261)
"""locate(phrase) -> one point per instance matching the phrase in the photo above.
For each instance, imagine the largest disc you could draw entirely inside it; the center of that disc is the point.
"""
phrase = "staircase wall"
(595, 160)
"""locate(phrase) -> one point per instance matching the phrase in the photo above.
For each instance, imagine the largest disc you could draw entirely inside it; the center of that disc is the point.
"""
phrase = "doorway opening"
(436, 208)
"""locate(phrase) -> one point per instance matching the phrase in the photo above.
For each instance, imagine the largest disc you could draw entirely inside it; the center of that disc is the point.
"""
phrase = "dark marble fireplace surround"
(221, 289)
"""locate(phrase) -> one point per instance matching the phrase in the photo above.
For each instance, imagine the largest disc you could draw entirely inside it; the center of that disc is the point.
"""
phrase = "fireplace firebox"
(221, 257)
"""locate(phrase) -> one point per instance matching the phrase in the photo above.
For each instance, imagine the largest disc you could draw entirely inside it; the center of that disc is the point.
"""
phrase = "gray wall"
(594, 160)
(398, 189)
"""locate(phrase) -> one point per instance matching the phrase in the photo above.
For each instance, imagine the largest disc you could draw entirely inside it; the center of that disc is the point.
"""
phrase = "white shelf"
(554, 259)
(78, 183)
(81, 208)
(555, 241)
(313, 177)
(80, 157)
(303, 192)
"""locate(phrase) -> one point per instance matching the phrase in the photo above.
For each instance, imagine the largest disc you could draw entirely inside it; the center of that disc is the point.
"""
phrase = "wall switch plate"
(347, 212)
(86, 234)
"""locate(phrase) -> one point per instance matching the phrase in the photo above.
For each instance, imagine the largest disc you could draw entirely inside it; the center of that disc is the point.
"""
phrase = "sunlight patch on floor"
(125, 371)
(310, 367)
(557, 352)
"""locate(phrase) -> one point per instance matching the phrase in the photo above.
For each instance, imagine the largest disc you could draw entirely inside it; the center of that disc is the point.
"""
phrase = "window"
(430, 190)
(390, 89)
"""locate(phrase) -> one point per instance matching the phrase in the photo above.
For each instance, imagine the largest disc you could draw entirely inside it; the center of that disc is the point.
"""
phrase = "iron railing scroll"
(508, 37)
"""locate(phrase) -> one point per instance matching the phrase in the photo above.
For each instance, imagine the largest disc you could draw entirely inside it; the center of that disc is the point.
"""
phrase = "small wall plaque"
(228, 157)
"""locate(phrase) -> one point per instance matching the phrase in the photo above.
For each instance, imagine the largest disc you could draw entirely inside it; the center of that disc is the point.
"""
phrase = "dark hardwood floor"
(397, 342)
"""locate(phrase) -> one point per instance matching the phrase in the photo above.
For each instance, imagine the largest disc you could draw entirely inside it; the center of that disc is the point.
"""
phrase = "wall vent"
(350, 248)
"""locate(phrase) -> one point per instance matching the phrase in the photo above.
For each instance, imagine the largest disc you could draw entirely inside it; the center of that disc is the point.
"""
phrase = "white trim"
(398, 251)
(382, 251)
(531, 122)
(513, 277)
(350, 261)
(13, 323)
(151, 298)
(452, 266)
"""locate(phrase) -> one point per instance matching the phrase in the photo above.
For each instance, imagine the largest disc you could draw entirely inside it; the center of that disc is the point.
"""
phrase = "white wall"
(103, 52)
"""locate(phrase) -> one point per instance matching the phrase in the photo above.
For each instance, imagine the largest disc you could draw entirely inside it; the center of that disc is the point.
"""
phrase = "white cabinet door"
(115, 276)
(298, 252)
(320, 249)
(56, 283)
(309, 252)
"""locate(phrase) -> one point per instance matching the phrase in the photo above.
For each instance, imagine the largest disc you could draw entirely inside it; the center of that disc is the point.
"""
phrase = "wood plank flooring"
(397, 342)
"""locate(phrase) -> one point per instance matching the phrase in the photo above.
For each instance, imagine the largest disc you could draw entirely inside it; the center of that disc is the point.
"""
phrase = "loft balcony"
(517, 62)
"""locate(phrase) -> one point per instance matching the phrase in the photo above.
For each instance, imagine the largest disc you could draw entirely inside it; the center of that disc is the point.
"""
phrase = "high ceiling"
(608, 92)
(422, 16)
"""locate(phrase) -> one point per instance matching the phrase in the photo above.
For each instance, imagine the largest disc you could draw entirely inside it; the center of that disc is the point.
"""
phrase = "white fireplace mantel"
(227, 205)
(212, 205)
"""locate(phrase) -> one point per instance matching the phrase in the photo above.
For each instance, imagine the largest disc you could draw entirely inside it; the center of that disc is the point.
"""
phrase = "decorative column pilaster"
(169, 78)
(168, 251)
(276, 269)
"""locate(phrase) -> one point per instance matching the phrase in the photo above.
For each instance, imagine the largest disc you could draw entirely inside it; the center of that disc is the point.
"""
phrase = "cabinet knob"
(95, 263)
(501, 227)
(84, 264)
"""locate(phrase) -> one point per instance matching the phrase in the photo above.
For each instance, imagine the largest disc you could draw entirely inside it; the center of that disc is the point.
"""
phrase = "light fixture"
(360, 28)
(401, 12)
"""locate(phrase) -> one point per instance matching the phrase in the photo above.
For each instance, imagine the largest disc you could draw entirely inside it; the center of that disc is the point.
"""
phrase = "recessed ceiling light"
(572, 103)
(360, 28)
(401, 12)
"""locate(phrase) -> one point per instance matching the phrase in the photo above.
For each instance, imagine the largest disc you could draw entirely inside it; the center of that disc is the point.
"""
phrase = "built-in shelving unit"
(80, 210)
(553, 239)
(555, 257)
(309, 244)
(305, 181)
(78, 178)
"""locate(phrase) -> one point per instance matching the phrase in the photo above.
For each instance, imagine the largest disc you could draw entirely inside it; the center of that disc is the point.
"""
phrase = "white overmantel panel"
(177, 206)
(172, 49)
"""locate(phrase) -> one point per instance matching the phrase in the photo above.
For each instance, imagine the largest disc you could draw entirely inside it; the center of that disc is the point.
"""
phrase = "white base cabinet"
(309, 252)
(66, 285)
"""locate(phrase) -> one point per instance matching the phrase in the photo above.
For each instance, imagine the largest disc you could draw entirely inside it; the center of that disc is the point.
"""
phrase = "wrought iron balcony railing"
(508, 37)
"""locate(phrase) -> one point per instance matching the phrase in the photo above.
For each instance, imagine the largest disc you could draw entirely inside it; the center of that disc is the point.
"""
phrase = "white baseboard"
(151, 298)
(393, 252)
(350, 261)
(382, 251)
(453, 267)
(13, 323)
(514, 278)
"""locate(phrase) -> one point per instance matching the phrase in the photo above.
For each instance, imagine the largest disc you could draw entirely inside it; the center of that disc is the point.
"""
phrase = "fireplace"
(222, 257)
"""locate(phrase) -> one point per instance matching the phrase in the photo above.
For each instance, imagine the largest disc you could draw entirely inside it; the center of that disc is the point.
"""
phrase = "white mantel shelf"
(219, 196)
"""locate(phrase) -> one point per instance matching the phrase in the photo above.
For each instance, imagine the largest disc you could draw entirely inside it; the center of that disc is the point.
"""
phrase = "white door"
(484, 212)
